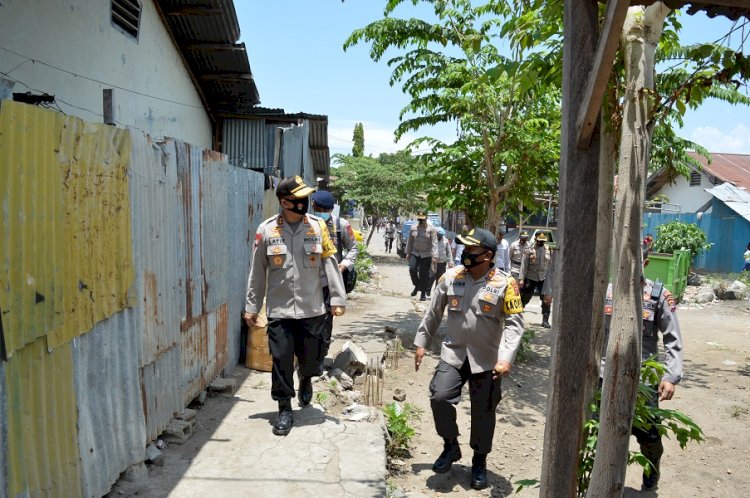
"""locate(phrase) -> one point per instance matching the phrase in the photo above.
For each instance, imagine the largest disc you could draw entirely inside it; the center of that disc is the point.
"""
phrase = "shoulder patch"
(669, 298)
(512, 300)
(329, 249)
(258, 237)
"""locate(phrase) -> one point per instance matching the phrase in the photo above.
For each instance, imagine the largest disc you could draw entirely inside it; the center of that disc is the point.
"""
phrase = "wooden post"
(108, 95)
(571, 347)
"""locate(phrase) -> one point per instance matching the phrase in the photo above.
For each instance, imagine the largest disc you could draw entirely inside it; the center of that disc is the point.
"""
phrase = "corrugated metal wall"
(725, 229)
(244, 141)
(125, 254)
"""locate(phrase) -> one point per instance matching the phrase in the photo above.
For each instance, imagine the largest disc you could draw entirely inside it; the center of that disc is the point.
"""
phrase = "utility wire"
(76, 75)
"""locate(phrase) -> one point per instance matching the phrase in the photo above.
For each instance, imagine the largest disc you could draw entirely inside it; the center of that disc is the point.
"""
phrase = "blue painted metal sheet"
(161, 391)
(111, 423)
(245, 142)
(3, 433)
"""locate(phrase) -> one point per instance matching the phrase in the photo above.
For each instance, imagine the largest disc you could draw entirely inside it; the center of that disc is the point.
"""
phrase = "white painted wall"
(689, 198)
(78, 36)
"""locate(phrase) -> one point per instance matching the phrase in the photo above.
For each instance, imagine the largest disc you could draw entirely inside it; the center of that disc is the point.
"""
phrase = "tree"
(382, 186)
(358, 149)
(453, 71)
(639, 39)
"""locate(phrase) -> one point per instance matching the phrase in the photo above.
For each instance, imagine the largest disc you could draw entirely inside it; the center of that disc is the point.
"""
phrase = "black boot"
(451, 453)
(545, 321)
(414, 292)
(479, 471)
(285, 420)
(423, 297)
(305, 391)
(428, 292)
(653, 452)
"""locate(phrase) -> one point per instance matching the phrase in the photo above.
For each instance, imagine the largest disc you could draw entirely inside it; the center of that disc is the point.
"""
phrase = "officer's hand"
(502, 369)
(434, 261)
(666, 391)
(338, 310)
(520, 283)
(418, 355)
(251, 319)
(342, 267)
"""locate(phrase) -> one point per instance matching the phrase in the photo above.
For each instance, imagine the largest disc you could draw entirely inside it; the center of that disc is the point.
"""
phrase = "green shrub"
(363, 264)
(398, 420)
(676, 235)
(525, 352)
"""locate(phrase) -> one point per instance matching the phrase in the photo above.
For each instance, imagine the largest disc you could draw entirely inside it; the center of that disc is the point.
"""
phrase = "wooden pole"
(571, 347)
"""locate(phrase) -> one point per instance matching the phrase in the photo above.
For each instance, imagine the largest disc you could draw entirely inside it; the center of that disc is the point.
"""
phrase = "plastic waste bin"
(671, 269)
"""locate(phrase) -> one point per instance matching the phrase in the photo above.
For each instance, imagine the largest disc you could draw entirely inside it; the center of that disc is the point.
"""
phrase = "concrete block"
(187, 415)
(178, 431)
(132, 481)
(153, 455)
(346, 382)
(223, 385)
(352, 360)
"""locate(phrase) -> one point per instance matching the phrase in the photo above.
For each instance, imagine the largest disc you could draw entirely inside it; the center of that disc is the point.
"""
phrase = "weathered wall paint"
(65, 257)
(42, 422)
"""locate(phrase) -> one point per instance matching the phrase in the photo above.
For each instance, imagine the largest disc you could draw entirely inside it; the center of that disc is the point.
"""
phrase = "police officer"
(485, 326)
(289, 250)
(517, 251)
(445, 256)
(346, 253)
(422, 253)
(534, 266)
(658, 316)
(390, 234)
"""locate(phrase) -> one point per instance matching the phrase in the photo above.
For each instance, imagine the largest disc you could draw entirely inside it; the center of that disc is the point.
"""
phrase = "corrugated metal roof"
(42, 422)
(734, 168)
(206, 33)
(738, 200)
(66, 256)
(727, 8)
(245, 142)
(111, 424)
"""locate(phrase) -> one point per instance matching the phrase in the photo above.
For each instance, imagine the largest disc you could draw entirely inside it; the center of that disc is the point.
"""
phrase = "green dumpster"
(671, 269)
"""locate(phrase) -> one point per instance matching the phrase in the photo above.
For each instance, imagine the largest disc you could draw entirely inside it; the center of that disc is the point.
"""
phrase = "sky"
(296, 55)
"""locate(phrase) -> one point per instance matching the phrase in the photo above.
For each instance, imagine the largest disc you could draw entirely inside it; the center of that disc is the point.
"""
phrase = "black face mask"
(299, 205)
(540, 244)
(471, 260)
(440, 237)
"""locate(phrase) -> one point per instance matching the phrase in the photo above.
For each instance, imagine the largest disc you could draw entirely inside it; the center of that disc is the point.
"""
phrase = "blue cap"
(441, 231)
(323, 199)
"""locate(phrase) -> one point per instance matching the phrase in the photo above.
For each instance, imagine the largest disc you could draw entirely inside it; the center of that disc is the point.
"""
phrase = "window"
(126, 16)
(695, 179)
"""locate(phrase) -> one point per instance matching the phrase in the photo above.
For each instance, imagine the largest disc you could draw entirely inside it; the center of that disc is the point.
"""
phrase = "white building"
(172, 66)
(690, 195)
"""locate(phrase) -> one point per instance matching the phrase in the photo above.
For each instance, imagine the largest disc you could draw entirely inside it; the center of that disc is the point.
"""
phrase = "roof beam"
(226, 76)
(609, 39)
(215, 47)
(194, 10)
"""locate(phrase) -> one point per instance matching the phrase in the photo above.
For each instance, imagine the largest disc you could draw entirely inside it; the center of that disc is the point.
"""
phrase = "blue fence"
(726, 230)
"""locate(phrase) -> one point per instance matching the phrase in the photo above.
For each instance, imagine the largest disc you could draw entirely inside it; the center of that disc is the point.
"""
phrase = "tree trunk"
(602, 252)
(573, 304)
(640, 36)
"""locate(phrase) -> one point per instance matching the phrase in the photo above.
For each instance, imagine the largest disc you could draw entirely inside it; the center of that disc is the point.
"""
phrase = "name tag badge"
(454, 303)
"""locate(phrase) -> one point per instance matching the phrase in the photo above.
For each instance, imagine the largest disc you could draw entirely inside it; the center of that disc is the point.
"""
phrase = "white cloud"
(379, 137)
(735, 141)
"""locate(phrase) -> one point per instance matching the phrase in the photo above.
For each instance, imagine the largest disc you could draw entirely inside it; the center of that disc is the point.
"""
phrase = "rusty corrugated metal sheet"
(66, 257)
(189, 184)
(206, 21)
(157, 247)
(244, 141)
(42, 422)
(733, 168)
(204, 351)
(111, 423)
(161, 390)
(217, 189)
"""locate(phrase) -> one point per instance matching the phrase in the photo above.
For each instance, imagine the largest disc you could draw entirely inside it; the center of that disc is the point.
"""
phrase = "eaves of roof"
(206, 33)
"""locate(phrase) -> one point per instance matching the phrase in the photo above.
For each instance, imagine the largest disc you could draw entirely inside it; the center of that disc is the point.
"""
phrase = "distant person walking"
(421, 253)
(445, 256)
(747, 258)
(390, 234)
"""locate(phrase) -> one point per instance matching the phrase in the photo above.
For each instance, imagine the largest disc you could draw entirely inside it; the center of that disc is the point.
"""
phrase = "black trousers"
(419, 271)
(484, 395)
(439, 271)
(529, 286)
(287, 338)
(388, 244)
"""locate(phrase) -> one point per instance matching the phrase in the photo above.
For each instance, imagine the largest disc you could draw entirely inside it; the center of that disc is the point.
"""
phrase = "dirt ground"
(715, 392)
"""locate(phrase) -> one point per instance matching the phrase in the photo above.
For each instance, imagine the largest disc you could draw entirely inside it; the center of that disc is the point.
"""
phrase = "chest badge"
(278, 260)
(276, 250)
(454, 302)
(488, 297)
(486, 308)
